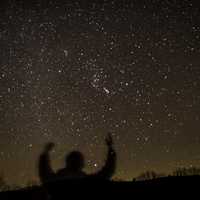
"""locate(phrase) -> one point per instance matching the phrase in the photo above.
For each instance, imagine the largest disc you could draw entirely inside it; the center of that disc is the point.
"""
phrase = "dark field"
(161, 187)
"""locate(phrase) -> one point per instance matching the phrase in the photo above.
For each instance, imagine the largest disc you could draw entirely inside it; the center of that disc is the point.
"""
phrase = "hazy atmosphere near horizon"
(73, 71)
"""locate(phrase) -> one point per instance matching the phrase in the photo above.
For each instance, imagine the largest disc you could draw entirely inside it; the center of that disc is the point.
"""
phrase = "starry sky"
(72, 71)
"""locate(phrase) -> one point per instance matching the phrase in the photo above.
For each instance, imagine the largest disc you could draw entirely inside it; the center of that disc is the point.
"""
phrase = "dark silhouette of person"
(75, 163)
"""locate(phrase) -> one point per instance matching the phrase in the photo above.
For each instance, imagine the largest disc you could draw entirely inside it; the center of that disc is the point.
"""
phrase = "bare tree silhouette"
(191, 171)
(148, 175)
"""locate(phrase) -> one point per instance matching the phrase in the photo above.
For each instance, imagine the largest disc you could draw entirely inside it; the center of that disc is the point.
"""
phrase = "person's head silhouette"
(75, 161)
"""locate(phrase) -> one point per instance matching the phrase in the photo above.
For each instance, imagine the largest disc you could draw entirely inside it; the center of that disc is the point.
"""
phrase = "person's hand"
(109, 140)
(49, 146)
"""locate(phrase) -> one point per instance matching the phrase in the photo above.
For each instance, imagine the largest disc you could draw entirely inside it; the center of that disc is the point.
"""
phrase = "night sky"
(72, 71)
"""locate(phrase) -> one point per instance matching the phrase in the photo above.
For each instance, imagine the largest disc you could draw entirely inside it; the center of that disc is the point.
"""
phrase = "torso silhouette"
(70, 174)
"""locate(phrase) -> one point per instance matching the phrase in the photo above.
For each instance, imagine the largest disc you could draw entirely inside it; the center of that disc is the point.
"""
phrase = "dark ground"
(168, 187)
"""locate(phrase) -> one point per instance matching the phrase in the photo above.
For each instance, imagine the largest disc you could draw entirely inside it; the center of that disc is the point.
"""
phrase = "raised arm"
(45, 171)
(108, 170)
